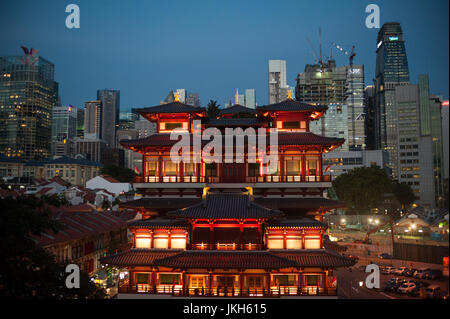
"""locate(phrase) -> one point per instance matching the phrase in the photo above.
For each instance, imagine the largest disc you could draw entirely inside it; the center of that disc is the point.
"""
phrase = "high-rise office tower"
(328, 84)
(28, 93)
(334, 124)
(110, 115)
(93, 119)
(64, 125)
(193, 99)
(80, 122)
(391, 71)
(277, 81)
(445, 137)
(250, 98)
(419, 140)
(371, 117)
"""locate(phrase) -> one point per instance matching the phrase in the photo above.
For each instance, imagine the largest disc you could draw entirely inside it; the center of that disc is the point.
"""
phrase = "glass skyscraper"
(391, 71)
(64, 124)
(110, 103)
(28, 94)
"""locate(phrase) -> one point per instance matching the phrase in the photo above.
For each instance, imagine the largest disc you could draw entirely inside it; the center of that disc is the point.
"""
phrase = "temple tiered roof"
(214, 259)
(226, 206)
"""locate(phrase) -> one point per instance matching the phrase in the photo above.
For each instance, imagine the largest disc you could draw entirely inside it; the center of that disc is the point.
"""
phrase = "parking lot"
(349, 284)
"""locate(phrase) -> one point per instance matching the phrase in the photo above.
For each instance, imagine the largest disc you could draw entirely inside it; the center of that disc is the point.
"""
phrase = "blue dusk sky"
(146, 48)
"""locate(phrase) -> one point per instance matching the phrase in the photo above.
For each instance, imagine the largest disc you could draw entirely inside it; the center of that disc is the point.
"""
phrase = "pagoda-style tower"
(229, 229)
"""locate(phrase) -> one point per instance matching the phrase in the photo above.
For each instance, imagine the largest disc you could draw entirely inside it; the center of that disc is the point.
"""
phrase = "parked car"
(406, 287)
(393, 284)
(400, 271)
(420, 273)
(419, 285)
(385, 256)
(433, 274)
(389, 270)
(433, 291)
(409, 272)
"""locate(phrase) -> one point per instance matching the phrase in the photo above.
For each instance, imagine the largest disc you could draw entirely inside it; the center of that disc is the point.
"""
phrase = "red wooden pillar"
(303, 163)
(303, 240)
(144, 167)
(299, 281)
(181, 171)
(284, 239)
(240, 282)
(210, 282)
(160, 167)
(130, 278)
(211, 235)
(169, 237)
(241, 232)
(151, 238)
(154, 283)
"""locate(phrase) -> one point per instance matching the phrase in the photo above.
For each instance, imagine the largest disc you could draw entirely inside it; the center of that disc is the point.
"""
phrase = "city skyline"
(80, 71)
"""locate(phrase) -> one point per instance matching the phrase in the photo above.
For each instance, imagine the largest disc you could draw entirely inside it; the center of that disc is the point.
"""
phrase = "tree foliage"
(213, 109)
(123, 175)
(403, 193)
(26, 269)
(362, 188)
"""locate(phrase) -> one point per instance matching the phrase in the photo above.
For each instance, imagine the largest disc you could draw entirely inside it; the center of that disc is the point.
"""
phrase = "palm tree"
(213, 109)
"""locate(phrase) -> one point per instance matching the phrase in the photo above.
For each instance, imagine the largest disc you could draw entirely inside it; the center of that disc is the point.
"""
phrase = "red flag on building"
(334, 281)
(136, 170)
(327, 168)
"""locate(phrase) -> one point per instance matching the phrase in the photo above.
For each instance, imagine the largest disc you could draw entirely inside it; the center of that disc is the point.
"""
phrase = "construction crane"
(350, 54)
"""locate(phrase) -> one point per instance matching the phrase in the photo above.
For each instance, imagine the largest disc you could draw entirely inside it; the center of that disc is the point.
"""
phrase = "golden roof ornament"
(177, 96)
(237, 96)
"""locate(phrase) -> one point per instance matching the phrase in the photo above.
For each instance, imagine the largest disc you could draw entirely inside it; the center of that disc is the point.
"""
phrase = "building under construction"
(342, 90)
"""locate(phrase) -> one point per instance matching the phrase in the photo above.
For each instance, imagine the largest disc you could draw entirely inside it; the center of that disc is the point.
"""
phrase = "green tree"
(123, 175)
(213, 109)
(26, 269)
(362, 188)
(403, 193)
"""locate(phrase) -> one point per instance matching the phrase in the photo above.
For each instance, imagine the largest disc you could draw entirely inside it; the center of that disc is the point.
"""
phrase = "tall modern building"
(333, 124)
(277, 81)
(64, 125)
(342, 88)
(80, 122)
(445, 137)
(391, 71)
(93, 119)
(110, 115)
(193, 99)
(250, 100)
(371, 117)
(419, 140)
(28, 93)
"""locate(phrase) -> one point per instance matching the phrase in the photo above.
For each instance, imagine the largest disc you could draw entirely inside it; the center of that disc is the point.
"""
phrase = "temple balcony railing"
(215, 180)
(271, 292)
(226, 246)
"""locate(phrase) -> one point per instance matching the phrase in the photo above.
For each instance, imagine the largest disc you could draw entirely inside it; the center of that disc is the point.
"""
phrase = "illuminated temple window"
(161, 241)
(275, 243)
(170, 168)
(294, 243)
(142, 241)
(178, 243)
(189, 169)
(312, 242)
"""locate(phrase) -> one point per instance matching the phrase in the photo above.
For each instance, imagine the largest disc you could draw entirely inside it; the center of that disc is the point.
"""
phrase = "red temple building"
(228, 229)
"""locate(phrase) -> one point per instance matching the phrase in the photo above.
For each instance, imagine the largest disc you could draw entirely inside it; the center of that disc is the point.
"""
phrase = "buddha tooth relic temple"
(231, 229)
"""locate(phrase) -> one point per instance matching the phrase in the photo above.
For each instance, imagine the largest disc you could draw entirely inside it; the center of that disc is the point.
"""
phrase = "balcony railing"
(210, 180)
(272, 292)
(222, 246)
